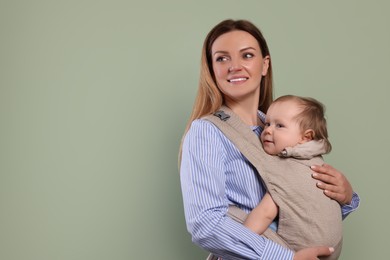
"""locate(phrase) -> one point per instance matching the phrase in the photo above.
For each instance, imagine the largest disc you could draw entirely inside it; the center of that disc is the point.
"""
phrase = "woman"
(236, 71)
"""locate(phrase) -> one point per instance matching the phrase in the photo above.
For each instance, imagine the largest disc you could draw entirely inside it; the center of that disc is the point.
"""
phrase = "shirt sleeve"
(348, 208)
(203, 181)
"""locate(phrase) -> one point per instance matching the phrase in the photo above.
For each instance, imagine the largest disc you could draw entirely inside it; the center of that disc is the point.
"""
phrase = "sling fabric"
(306, 217)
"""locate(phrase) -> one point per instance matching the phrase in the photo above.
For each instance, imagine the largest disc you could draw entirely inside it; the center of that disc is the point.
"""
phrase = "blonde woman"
(236, 71)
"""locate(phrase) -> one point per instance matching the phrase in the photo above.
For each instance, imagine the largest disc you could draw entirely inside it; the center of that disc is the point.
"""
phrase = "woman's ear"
(265, 65)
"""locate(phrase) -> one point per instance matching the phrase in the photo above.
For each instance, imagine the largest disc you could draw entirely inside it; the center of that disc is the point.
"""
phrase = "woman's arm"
(262, 216)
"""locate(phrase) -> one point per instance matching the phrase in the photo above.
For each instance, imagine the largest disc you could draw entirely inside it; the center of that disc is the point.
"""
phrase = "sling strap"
(242, 137)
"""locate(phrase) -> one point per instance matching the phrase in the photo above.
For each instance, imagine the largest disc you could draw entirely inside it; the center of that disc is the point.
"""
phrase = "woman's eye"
(248, 55)
(221, 58)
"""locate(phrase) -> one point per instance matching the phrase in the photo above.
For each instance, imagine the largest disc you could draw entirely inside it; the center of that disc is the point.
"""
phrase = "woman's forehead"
(234, 40)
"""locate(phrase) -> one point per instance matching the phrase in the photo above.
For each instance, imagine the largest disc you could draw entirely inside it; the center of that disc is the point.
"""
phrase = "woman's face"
(238, 66)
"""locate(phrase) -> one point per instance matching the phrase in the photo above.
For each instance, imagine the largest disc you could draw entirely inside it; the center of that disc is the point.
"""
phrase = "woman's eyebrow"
(220, 52)
(242, 50)
(248, 48)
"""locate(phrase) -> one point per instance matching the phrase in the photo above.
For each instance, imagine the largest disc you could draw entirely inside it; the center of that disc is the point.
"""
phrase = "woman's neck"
(246, 112)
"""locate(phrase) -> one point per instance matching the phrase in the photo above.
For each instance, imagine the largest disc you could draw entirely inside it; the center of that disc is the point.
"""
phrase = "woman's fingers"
(334, 183)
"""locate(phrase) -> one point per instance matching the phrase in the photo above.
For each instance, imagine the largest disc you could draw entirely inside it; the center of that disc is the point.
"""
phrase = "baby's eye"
(221, 59)
(248, 55)
(267, 124)
(279, 125)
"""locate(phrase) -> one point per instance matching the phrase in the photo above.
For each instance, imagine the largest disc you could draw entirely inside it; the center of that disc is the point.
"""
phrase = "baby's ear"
(308, 135)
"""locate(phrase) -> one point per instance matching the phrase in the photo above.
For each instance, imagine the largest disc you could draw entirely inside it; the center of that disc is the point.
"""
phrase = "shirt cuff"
(354, 205)
(273, 250)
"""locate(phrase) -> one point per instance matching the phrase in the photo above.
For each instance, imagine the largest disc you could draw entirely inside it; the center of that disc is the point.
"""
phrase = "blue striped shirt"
(214, 174)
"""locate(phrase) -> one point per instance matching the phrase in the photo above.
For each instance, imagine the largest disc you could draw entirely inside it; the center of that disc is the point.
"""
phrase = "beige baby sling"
(306, 216)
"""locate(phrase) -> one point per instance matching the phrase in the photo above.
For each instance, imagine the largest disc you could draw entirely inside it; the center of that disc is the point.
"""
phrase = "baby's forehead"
(285, 105)
(283, 110)
(286, 101)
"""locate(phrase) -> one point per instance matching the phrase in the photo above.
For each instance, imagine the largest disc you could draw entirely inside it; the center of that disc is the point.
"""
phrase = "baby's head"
(293, 120)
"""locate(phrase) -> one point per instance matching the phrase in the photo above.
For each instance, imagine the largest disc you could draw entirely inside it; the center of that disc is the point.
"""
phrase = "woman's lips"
(237, 80)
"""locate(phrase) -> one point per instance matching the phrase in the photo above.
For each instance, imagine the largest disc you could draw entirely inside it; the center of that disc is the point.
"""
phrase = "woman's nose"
(235, 66)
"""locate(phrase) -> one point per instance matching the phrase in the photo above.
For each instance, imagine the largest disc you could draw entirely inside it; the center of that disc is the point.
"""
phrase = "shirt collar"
(261, 115)
(256, 128)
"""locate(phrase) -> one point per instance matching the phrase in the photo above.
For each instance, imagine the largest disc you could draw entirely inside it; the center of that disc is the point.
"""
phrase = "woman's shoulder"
(203, 136)
(203, 129)
(203, 126)
(202, 122)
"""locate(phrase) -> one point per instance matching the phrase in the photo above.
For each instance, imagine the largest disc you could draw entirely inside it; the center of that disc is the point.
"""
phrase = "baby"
(295, 129)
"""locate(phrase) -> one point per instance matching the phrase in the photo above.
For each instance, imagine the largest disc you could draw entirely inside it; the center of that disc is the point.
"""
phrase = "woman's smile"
(236, 80)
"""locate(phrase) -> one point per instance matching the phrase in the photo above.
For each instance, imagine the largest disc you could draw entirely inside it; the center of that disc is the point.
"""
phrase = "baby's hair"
(312, 117)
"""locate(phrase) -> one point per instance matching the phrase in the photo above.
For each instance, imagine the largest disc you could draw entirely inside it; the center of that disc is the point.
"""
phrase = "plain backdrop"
(95, 95)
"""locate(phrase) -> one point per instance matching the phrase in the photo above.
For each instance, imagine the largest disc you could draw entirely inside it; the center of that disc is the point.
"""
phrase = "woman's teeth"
(237, 79)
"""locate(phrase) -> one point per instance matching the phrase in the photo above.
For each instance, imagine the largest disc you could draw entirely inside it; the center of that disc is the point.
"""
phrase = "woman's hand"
(334, 184)
(312, 253)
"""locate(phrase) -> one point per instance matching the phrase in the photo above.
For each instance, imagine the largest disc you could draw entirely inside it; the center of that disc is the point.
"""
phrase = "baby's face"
(281, 129)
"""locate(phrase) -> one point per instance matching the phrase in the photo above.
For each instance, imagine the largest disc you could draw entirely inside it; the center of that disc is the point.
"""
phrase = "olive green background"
(95, 95)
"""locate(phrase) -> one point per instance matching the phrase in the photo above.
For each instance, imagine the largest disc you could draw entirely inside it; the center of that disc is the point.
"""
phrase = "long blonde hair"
(209, 98)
